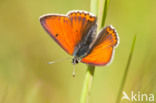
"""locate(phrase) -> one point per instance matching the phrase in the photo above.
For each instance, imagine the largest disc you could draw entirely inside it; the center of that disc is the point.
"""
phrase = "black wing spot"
(57, 35)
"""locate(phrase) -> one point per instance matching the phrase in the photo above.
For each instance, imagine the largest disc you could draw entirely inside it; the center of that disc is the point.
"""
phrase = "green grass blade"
(94, 6)
(126, 71)
(87, 84)
(105, 9)
(91, 69)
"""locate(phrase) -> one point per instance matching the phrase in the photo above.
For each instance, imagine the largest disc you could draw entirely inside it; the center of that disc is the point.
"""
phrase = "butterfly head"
(76, 60)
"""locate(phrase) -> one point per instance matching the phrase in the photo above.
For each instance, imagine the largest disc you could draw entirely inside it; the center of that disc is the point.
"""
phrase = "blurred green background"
(26, 49)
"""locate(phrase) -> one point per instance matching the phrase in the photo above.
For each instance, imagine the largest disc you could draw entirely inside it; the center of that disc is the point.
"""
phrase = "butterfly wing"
(68, 30)
(102, 51)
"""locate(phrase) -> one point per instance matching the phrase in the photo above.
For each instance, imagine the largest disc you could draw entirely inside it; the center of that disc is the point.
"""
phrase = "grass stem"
(87, 84)
(91, 69)
(105, 9)
(126, 71)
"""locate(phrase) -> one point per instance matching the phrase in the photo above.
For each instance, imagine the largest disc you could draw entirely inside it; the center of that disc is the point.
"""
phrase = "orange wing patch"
(59, 27)
(68, 30)
(99, 56)
(103, 48)
(81, 23)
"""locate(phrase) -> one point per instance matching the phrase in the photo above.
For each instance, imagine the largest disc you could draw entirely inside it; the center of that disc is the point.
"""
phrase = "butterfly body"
(76, 34)
(84, 47)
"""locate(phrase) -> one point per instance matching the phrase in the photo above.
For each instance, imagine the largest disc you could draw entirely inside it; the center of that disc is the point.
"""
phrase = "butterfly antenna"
(59, 60)
(74, 71)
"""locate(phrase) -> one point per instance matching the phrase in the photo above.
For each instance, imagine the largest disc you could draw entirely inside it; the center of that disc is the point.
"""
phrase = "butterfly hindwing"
(68, 30)
(103, 48)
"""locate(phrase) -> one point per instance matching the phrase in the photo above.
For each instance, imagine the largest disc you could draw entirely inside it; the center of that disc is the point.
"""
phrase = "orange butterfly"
(76, 34)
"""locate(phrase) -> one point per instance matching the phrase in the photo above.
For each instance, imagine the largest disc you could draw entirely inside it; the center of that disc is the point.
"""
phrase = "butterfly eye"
(76, 61)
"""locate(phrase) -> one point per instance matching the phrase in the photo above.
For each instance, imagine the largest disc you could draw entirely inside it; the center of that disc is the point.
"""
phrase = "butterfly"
(76, 33)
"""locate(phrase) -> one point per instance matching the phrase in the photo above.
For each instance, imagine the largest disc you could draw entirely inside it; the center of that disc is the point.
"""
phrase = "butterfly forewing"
(68, 30)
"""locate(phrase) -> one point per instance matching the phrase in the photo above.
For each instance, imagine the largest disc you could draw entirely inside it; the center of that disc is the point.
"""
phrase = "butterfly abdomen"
(84, 47)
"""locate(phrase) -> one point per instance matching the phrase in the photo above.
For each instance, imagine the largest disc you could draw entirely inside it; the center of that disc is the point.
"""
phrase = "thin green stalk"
(105, 9)
(91, 69)
(126, 71)
(94, 6)
(87, 84)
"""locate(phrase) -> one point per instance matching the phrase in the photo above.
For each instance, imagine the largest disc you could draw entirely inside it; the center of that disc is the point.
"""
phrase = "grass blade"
(105, 9)
(94, 7)
(87, 84)
(126, 71)
(91, 69)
